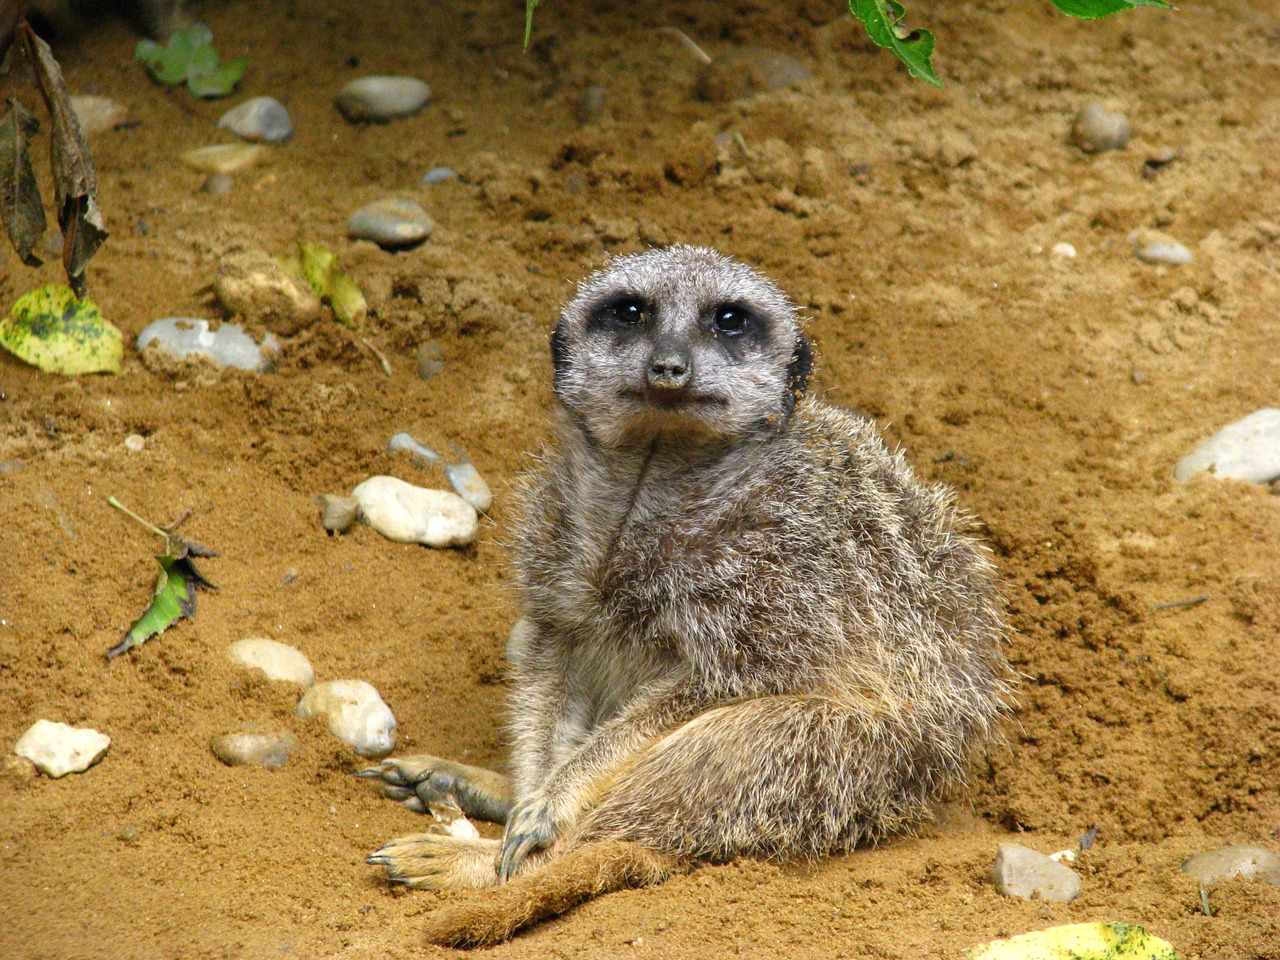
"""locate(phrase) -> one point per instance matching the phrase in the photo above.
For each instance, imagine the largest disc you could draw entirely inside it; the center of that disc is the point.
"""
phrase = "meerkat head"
(679, 342)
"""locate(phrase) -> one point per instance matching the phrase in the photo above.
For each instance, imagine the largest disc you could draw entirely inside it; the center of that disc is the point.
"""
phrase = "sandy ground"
(915, 225)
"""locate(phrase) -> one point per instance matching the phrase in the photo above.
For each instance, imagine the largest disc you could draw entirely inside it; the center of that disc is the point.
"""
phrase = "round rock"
(262, 119)
(1096, 129)
(381, 98)
(277, 660)
(98, 114)
(1022, 872)
(356, 715)
(747, 71)
(1151, 246)
(271, 750)
(1248, 449)
(58, 749)
(225, 158)
(254, 285)
(392, 224)
(408, 514)
(228, 346)
(438, 175)
(1227, 863)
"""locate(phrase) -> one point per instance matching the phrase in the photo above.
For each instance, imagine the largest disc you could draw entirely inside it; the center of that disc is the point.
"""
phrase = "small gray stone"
(380, 98)
(272, 750)
(1096, 129)
(217, 184)
(337, 514)
(747, 71)
(391, 224)
(438, 175)
(228, 346)
(1163, 251)
(97, 114)
(1227, 863)
(591, 106)
(262, 119)
(1021, 872)
(429, 362)
(1248, 449)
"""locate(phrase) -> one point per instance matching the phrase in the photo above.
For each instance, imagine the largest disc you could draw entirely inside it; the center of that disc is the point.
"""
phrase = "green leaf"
(49, 328)
(175, 599)
(883, 19)
(20, 206)
(219, 81)
(529, 7)
(190, 56)
(319, 268)
(1093, 9)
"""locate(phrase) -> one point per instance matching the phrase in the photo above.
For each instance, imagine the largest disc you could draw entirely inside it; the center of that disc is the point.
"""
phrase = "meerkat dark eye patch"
(731, 320)
(620, 313)
(737, 327)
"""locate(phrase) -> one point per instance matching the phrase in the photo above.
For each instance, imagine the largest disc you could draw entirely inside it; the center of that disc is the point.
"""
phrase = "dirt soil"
(916, 226)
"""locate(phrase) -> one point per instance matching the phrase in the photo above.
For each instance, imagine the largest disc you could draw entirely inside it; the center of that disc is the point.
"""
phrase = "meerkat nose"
(670, 367)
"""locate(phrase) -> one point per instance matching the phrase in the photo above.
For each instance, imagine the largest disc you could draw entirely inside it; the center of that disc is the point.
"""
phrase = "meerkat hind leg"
(421, 780)
(541, 892)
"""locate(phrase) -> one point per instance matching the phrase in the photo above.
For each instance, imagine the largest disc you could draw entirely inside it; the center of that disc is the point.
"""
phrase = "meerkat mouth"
(674, 399)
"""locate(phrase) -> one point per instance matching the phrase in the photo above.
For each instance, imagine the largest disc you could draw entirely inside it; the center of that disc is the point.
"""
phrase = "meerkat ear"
(798, 371)
(559, 355)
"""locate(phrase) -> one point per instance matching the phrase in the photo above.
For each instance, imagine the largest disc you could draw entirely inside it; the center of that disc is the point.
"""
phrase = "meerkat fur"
(749, 630)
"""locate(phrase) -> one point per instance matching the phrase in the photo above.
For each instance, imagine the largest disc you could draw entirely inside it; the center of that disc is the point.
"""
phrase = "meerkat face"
(681, 341)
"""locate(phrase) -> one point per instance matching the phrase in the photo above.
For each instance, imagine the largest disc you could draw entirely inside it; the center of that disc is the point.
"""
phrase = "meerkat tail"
(580, 874)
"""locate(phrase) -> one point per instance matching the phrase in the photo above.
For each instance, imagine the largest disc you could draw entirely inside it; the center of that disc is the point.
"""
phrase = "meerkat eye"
(731, 320)
(621, 312)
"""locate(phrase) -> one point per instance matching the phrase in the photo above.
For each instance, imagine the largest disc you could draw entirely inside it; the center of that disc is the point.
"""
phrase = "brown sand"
(915, 226)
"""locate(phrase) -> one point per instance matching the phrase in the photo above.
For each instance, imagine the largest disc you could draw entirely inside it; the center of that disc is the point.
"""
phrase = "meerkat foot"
(421, 780)
(438, 861)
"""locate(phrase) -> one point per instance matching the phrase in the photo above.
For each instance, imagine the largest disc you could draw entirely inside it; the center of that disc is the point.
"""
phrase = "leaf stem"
(146, 523)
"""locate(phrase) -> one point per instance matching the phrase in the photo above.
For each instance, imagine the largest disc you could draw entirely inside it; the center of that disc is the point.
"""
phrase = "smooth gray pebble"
(262, 119)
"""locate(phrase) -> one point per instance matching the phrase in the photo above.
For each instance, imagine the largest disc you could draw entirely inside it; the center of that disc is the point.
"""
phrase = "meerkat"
(748, 630)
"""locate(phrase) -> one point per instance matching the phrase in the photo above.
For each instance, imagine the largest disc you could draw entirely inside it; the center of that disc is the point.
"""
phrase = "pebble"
(262, 119)
(1022, 872)
(747, 71)
(240, 749)
(429, 362)
(462, 476)
(217, 184)
(380, 98)
(337, 514)
(58, 749)
(408, 514)
(1161, 252)
(438, 175)
(591, 106)
(135, 443)
(1227, 863)
(1096, 129)
(225, 158)
(98, 114)
(356, 714)
(254, 285)
(1063, 251)
(1248, 449)
(391, 224)
(277, 660)
(228, 346)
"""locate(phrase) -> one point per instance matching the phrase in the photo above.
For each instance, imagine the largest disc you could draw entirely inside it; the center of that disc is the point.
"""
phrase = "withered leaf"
(74, 181)
(175, 598)
(20, 206)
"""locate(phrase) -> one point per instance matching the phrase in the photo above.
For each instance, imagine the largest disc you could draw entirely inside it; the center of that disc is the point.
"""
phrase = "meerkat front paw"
(531, 826)
(438, 861)
(422, 780)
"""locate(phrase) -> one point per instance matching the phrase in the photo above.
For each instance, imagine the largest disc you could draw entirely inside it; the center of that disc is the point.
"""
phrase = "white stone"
(97, 114)
(356, 715)
(58, 749)
(1096, 129)
(382, 98)
(1248, 449)
(1063, 250)
(1163, 252)
(1227, 863)
(277, 660)
(263, 119)
(408, 514)
(1022, 872)
(225, 158)
(228, 346)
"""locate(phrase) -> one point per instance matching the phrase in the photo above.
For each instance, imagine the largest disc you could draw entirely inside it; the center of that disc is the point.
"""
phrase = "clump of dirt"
(917, 228)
